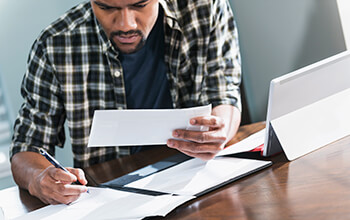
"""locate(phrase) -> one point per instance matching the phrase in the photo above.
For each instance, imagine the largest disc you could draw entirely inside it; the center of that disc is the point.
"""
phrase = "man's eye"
(140, 6)
(104, 7)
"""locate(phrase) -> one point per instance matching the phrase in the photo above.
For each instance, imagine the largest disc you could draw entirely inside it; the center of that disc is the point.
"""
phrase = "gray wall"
(279, 36)
(21, 21)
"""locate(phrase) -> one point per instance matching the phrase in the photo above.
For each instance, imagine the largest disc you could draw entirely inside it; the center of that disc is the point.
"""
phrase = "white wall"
(279, 36)
(21, 21)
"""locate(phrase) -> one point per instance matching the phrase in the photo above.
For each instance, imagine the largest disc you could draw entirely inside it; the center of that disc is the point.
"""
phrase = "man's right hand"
(53, 185)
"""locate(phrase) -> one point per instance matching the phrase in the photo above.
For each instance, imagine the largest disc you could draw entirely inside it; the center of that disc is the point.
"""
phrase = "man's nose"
(126, 20)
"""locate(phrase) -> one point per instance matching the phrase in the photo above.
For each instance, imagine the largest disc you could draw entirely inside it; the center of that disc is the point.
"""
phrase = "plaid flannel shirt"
(74, 70)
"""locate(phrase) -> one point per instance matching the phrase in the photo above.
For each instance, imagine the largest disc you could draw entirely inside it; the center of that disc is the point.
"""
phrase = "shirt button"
(230, 86)
(117, 73)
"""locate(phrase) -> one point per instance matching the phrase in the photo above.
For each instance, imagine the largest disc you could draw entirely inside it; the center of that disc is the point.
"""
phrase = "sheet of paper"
(195, 175)
(141, 127)
(11, 204)
(245, 145)
(104, 203)
(2, 214)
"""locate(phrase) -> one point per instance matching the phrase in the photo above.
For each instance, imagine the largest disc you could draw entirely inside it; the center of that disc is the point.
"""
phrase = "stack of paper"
(104, 203)
(245, 145)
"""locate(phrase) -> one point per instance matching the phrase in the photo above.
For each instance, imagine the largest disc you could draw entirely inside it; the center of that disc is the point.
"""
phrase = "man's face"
(127, 23)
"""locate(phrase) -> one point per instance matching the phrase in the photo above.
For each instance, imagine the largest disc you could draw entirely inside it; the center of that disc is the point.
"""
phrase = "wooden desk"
(316, 186)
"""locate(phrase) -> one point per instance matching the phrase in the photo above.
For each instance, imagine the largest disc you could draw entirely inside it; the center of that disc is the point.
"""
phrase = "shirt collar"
(105, 42)
(169, 14)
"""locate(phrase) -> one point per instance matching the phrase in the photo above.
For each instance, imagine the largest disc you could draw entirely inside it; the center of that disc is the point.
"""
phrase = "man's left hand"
(201, 144)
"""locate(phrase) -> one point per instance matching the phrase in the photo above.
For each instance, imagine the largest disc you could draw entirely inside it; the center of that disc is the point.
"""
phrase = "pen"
(54, 162)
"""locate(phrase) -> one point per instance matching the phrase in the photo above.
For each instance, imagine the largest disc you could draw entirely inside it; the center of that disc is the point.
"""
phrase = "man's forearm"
(26, 165)
(231, 116)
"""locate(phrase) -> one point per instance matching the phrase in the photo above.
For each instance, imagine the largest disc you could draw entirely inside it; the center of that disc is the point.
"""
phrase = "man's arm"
(40, 124)
(220, 88)
(223, 125)
(231, 117)
(51, 185)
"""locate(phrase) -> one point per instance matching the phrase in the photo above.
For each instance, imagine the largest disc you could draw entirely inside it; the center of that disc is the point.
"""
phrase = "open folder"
(185, 176)
(196, 177)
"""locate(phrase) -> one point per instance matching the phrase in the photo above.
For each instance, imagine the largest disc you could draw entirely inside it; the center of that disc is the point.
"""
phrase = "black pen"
(54, 162)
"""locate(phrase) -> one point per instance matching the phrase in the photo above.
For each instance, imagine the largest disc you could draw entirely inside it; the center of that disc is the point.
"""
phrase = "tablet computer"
(301, 88)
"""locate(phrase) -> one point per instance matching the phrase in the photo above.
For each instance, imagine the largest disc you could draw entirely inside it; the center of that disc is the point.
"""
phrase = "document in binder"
(182, 175)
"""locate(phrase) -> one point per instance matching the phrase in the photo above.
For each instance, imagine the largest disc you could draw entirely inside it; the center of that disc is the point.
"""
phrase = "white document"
(2, 214)
(195, 175)
(104, 203)
(10, 203)
(245, 145)
(141, 127)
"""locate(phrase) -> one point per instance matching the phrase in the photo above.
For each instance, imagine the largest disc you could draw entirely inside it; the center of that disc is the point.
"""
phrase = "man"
(119, 54)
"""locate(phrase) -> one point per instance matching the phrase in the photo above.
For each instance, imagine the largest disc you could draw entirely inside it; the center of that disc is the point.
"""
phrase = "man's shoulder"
(191, 14)
(69, 23)
(182, 8)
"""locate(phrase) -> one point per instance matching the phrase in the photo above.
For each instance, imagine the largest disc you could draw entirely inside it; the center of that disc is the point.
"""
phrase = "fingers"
(73, 176)
(65, 195)
(79, 173)
(201, 144)
(203, 156)
(195, 150)
(52, 186)
(70, 190)
(60, 175)
(192, 148)
(215, 136)
(209, 121)
(59, 193)
(63, 180)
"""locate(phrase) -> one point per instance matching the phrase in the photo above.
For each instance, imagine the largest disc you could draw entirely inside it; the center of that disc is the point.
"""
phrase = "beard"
(128, 33)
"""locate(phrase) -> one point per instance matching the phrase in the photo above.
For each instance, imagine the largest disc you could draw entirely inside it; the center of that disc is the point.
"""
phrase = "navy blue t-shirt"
(145, 79)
